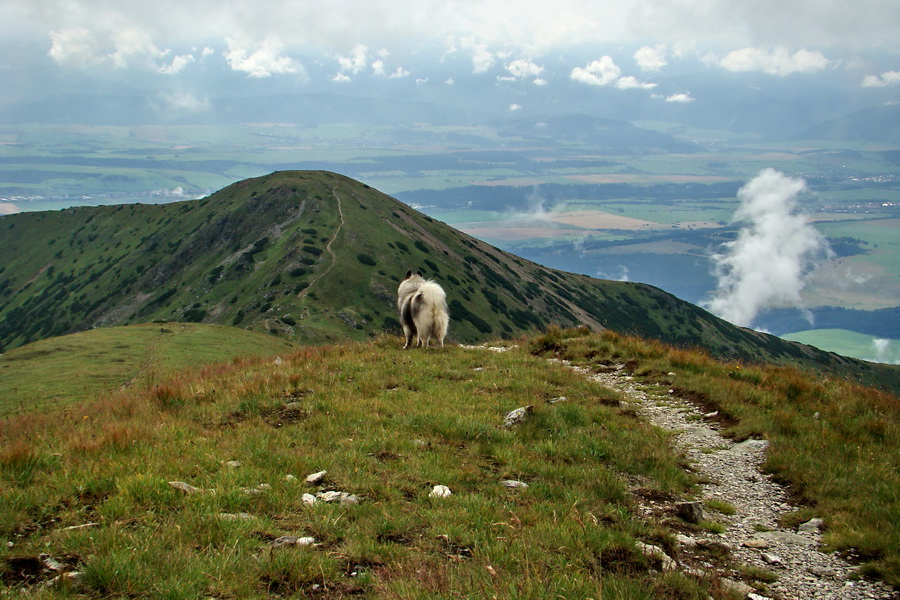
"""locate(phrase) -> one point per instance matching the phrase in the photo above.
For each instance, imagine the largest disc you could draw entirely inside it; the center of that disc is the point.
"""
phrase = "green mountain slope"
(315, 257)
(63, 370)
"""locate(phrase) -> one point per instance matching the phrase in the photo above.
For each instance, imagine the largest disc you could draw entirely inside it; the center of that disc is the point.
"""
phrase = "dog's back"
(423, 310)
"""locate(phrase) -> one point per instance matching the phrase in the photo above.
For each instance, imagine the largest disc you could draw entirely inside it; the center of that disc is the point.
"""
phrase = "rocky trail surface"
(753, 541)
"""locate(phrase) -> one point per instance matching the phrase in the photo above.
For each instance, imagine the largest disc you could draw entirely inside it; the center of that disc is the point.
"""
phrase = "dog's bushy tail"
(432, 318)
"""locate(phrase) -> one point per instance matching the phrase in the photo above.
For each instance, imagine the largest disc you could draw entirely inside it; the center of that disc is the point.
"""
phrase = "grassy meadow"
(64, 370)
(93, 492)
(387, 426)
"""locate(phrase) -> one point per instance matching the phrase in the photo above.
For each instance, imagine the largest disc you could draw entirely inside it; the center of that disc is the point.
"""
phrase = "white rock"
(316, 478)
(290, 477)
(440, 491)
(334, 496)
(185, 487)
(771, 559)
(811, 526)
(233, 464)
(517, 416)
(308, 499)
(513, 483)
(242, 516)
(655, 552)
(293, 540)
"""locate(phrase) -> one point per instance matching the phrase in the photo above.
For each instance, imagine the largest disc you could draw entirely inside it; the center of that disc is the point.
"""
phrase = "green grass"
(60, 371)
(848, 343)
(387, 425)
(834, 442)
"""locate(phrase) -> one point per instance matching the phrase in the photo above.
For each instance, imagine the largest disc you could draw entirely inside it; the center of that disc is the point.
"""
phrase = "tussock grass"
(387, 425)
(833, 442)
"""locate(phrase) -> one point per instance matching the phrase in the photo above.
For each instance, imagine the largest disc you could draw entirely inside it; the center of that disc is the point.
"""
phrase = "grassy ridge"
(833, 442)
(387, 425)
(64, 370)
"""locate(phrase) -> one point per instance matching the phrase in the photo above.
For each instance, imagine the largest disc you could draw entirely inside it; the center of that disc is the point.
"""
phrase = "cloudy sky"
(280, 38)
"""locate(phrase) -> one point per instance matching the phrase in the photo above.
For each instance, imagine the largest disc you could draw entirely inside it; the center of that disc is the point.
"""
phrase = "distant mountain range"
(877, 124)
(315, 257)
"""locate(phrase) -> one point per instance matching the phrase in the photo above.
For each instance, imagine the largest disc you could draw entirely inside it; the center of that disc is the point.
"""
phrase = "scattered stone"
(292, 540)
(242, 516)
(755, 596)
(715, 545)
(316, 478)
(772, 559)
(817, 416)
(233, 464)
(308, 499)
(184, 487)
(557, 399)
(340, 497)
(440, 491)
(685, 540)
(821, 572)
(517, 416)
(71, 581)
(749, 446)
(810, 527)
(278, 361)
(264, 486)
(737, 587)
(710, 415)
(290, 477)
(692, 512)
(513, 483)
(656, 553)
(787, 537)
(757, 543)
(51, 563)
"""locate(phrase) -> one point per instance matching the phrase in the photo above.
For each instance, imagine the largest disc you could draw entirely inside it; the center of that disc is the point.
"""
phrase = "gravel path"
(752, 534)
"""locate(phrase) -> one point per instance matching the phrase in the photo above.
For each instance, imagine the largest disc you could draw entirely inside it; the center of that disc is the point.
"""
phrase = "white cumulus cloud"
(775, 249)
(776, 61)
(355, 62)
(632, 83)
(602, 71)
(524, 68)
(651, 58)
(888, 78)
(482, 59)
(680, 98)
(76, 46)
(264, 60)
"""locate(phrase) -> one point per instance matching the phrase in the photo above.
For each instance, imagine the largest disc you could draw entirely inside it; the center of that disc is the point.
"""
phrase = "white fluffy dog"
(423, 310)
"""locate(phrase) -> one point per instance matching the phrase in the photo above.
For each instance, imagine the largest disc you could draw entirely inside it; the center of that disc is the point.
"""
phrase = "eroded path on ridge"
(752, 534)
(328, 249)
